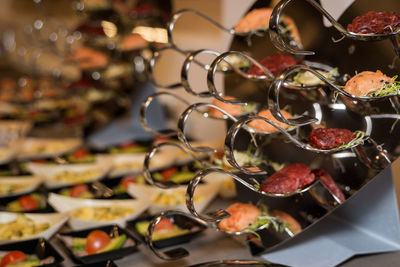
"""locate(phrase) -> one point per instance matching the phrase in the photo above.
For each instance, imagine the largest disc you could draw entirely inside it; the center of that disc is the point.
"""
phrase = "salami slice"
(328, 138)
(290, 179)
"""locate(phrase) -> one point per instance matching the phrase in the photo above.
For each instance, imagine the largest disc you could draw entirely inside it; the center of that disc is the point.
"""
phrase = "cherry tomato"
(28, 203)
(164, 224)
(167, 174)
(78, 190)
(96, 241)
(80, 153)
(127, 181)
(220, 154)
(128, 144)
(12, 258)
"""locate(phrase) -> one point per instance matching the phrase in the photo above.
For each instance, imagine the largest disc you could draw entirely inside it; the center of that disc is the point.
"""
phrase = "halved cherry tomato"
(167, 174)
(28, 203)
(220, 154)
(80, 153)
(96, 241)
(127, 181)
(128, 144)
(164, 224)
(12, 258)
(78, 190)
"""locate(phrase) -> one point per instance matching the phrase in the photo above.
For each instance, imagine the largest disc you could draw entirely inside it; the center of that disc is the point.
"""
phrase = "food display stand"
(316, 162)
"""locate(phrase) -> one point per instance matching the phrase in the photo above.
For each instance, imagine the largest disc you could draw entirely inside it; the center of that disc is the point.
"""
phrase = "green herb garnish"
(358, 139)
(264, 220)
(250, 107)
(388, 89)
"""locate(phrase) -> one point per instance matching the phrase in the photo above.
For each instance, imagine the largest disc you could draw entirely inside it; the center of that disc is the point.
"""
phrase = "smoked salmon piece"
(366, 82)
(132, 42)
(234, 110)
(263, 126)
(258, 19)
(242, 216)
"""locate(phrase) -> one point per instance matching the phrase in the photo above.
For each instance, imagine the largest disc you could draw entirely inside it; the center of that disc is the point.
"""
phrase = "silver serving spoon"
(190, 58)
(283, 76)
(233, 131)
(267, 77)
(180, 252)
(143, 114)
(153, 151)
(317, 190)
(183, 118)
(366, 149)
(278, 41)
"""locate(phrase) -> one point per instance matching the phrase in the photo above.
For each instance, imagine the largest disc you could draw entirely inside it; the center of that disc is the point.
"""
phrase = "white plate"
(56, 220)
(207, 192)
(48, 171)
(134, 163)
(68, 204)
(28, 148)
(31, 182)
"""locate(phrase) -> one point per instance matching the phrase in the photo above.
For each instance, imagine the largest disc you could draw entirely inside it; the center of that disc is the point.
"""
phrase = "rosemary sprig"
(358, 139)
(335, 97)
(264, 220)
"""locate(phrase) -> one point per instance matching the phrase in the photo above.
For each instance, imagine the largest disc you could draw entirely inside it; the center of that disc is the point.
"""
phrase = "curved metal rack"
(143, 111)
(149, 156)
(180, 252)
(213, 217)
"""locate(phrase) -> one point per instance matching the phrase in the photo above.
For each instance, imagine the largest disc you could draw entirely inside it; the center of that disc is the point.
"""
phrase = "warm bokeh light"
(109, 28)
(150, 34)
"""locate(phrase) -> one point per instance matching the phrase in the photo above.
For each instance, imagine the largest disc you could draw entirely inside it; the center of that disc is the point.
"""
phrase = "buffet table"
(212, 245)
(310, 166)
